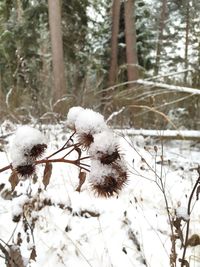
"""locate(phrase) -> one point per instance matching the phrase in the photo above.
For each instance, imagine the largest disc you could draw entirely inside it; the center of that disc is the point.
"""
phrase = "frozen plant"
(108, 173)
(91, 132)
(28, 145)
(107, 179)
(86, 123)
(102, 165)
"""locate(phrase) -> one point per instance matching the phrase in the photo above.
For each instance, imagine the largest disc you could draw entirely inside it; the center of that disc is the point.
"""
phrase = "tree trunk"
(59, 89)
(19, 10)
(130, 33)
(186, 39)
(161, 26)
(114, 42)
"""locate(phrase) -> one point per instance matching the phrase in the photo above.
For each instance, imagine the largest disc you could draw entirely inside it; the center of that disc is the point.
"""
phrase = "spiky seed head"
(109, 158)
(37, 150)
(85, 139)
(111, 184)
(26, 170)
(107, 188)
(122, 174)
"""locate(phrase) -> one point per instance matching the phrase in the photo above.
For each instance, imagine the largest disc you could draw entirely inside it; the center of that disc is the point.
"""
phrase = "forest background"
(112, 56)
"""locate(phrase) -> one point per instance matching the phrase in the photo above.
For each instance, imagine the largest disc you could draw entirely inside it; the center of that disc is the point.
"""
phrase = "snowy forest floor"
(80, 229)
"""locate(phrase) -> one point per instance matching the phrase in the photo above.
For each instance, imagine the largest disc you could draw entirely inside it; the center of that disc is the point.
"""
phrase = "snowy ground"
(79, 229)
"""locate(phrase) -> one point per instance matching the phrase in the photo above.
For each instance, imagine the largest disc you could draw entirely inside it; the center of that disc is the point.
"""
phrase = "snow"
(104, 142)
(85, 120)
(72, 116)
(129, 230)
(115, 113)
(18, 203)
(182, 213)
(100, 171)
(89, 121)
(25, 138)
(169, 87)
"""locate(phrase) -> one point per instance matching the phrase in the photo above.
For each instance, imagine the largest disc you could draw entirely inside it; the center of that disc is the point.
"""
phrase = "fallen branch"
(175, 88)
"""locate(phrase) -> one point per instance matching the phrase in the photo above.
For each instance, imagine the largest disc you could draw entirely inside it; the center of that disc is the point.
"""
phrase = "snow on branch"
(175, 88)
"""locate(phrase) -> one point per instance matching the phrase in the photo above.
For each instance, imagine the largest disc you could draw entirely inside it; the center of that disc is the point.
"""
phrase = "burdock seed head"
(25, 170)
(37, 150)
(107, 180)
(85, 139)
(105, 147)
(107, 188)
(109, 158)
(28, 144)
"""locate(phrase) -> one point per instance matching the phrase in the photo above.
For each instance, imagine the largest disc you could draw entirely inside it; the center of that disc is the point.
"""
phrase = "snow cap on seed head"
(90, 122)
(86, 123)
(105, 147)
(72, 115)
(28, 144)
(85, 120)
(104, 142)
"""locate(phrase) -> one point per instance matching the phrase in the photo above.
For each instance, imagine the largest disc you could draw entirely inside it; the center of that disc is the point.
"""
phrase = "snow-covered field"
(73, 229)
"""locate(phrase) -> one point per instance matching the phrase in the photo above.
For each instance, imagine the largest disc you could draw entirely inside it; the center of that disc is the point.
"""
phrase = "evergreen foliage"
(25, 50)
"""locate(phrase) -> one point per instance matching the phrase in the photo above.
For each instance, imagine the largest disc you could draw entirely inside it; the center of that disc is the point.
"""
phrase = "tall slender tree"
(54, 7)
(187, 26)
(161, 26)
(114, 42)
(130, 34)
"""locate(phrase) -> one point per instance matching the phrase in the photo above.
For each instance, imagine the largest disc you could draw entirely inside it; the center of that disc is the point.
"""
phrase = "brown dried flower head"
(25, 170)
(107, 188)
(111, 184)
(109, 158)
(37, 150)
(122, 174)
(85, 139)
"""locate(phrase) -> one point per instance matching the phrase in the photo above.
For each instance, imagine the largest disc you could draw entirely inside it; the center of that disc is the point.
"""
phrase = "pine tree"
(76, 46)
(144, 34)
(19, 51)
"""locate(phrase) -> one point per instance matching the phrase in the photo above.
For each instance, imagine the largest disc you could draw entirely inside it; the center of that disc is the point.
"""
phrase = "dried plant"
(89, 128)
(178, 219)
(86, 144)
(187, 240)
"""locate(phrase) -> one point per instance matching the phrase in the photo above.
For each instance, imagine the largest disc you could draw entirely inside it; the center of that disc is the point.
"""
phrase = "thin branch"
(12, 233)
(156, 111)
(5, 252)
(182, 260)
(6, 168)
(75, 146)
(63, 147)
(167, 75)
